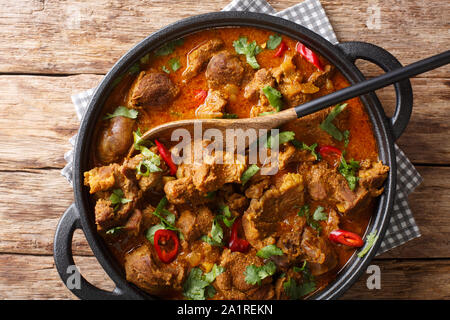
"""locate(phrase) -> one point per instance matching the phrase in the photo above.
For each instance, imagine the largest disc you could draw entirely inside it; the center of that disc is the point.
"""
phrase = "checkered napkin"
(311, 15)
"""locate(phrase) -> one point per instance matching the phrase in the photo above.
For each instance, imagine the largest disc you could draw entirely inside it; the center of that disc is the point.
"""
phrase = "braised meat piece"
(115, 139)
(194, 225)
(231, 283)
(224, 68)
(261, 79)
(199, 57)
(318, 252)
(261, 219)
(318, 78)
(213, 107)
(103, 182)
(144, 269)
(146, 182)
(290, 240)
(152, 89)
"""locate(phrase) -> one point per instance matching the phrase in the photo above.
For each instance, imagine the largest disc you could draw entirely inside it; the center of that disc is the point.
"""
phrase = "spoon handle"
(367, 86)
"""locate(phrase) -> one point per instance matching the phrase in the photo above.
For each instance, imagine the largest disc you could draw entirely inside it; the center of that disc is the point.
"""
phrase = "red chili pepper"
(167, 157)
(330, 153)
(309, 55)
(282, 47)
(346, 238)
(236, 243)
(200, 95)
(162, 237)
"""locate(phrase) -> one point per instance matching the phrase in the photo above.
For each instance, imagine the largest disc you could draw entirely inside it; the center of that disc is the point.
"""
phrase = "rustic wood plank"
(88, 37)
(33, 201)
(35, 277)
(37, 118)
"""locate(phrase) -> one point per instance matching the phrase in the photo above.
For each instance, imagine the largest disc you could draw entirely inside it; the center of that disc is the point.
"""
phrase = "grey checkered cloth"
(311, 15)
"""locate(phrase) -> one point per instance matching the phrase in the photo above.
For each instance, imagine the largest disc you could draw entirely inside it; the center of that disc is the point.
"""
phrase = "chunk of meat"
(199, 57)
(153, 180)
(372, 176)
(144, 269)
(152, 89)
(332, 222)
(106, 216)
(115, 139)
(231, 284)
(318, 252)
(261, 79)
(318, 78)
(289, 154)
(261, 109)
(133, 225)
(257, 185)
(213, 107)
(261, 219)
(224, 68)
(290, 239)
(194, 225)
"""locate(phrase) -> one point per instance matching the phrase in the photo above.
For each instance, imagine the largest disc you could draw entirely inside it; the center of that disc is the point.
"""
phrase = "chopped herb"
(348, 170)
(346, 138)
(250, 50)
(300, 269)
(266, 113)
(304, 146)
(122, 111)
(169, 220)
(274, 41)
(135, 68)
(304, 212)
(227, 217)
(168, 48)
(114, 230)
(249, 173)
(319, 214)
(164, 68)
(229, 116)
(274, 96)
(117, 80)
(117, 199)
(211, 194)
(150, 234)
(329, 127)
(370, 240)
(295, 291)
(145, 59)
(198, 285)
(139, 142)
(254, 274)
(150, 162)
(283, 137)
(268, 251)
(175, 64)
(216, 234)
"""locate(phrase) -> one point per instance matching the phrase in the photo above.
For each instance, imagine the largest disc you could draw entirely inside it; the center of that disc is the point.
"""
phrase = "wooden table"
(53, 49)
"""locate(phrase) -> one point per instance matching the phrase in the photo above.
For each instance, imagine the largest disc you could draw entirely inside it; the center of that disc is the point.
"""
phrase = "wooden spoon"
(267, 122)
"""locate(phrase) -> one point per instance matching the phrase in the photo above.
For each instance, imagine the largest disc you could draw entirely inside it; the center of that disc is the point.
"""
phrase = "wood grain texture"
(48, 120)
(35, 277)
(88, 37)
(32, 202)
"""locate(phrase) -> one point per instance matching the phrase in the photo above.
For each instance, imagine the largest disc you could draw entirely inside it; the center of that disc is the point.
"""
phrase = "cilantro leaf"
(227, 217)
(168, 47)
(268, 251)
(150, 162)
(254, 274)
(274, 96)
(295, 291)
(122, 111)
(313, 223)
(250, 50)
(169, 220)
(175, 64)
(198, 285)
(138, 141)
(346, 138)
(216, 234)
(329, 127)
(117, 199)
(150, 234)
(135, 68)
(249, 173)
(114, 230)
(304, 146)
(229, 116)
(319, 214)
(164, 68)
(348, 170)
(283, 137)
(273, 42)
(370, 240)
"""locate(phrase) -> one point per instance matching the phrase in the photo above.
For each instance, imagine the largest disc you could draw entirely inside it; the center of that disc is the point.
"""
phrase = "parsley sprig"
(198, 285)
(254, 274)
(250, 50)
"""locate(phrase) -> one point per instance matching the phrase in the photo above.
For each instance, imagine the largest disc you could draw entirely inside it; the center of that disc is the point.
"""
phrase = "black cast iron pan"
(80, 215)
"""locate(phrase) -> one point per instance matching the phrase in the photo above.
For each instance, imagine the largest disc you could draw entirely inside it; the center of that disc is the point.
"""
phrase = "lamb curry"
(226, 231)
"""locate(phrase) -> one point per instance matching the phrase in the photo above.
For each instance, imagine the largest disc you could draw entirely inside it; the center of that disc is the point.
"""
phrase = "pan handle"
(361, 50)
(62, 253)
